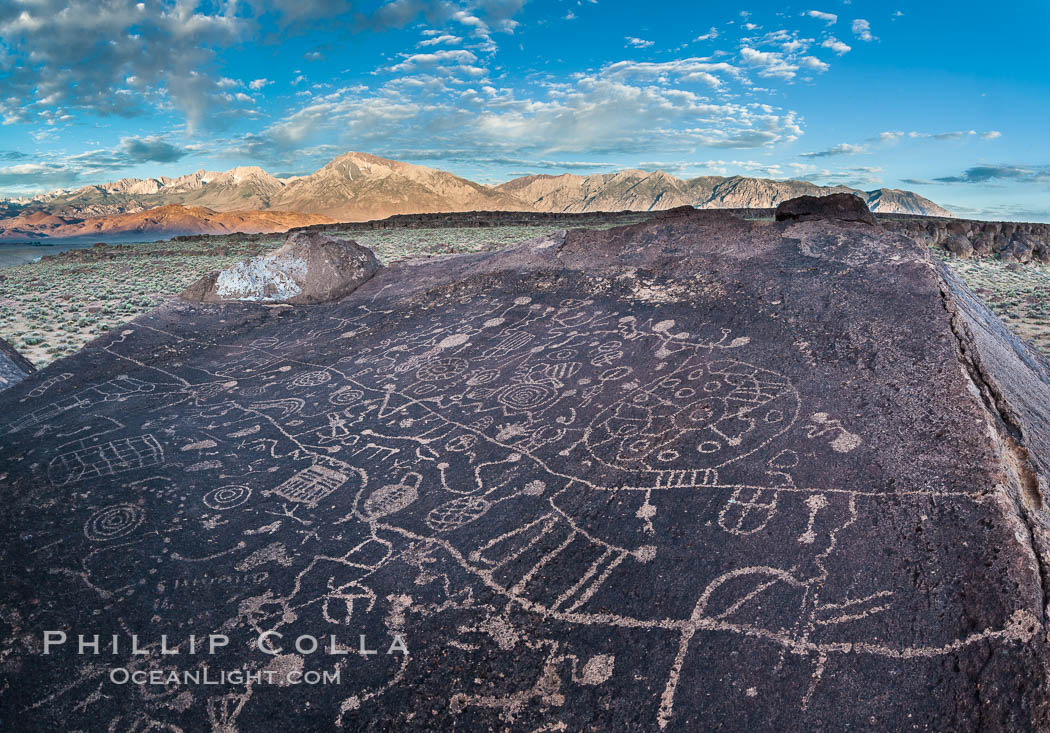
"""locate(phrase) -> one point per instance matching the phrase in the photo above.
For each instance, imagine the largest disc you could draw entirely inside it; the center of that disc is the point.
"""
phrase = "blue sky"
(951, 102)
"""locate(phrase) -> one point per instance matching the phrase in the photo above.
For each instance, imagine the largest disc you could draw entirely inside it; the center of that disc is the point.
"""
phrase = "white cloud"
(637, 42)
(829, 18)
(814, 64)
(415, 62)
(837, 46)
(687, 70)
(443, 38)
(53, 170)
(60, 59)
(122, 57)
(625, 108)
(891, 136)
(694, 168)
(257, 84)
(709, 36)
(862, 177)
(862, 30)
(770, 63)
(602, 114)
(840, 149)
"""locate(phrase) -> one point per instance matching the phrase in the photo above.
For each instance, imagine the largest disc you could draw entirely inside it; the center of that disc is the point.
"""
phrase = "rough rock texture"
(13, 366)
(310, 267)
(694, 474)
(837, 206)
(959, 246)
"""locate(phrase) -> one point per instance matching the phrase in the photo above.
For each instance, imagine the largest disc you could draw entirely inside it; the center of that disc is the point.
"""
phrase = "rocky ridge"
(1009, 241)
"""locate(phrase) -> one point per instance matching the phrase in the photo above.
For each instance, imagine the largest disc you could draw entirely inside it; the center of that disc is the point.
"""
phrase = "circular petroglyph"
(457, 513)
(312, 379)
(227, 497)
(526, 396)
(482, 377)
(439, 369)
(346, 396)
(113, 522)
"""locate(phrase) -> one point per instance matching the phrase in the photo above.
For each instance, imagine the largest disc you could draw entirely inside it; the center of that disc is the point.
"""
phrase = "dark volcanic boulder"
(984, 244)
(310, 267)
(958, 245)
(13, 366)
(1019, 250)
(837, 206)
(695, 474)
(1041, 249)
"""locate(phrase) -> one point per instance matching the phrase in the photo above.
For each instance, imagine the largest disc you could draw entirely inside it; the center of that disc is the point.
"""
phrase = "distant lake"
(20, 252)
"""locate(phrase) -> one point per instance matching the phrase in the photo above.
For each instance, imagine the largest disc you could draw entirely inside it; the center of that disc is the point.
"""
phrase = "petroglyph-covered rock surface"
(697, 473)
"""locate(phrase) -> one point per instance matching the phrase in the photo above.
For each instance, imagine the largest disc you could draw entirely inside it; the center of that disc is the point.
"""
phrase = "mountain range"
(360, 187)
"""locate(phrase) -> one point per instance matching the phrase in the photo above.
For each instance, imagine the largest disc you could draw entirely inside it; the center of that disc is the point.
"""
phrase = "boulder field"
(697, 473)
(1010, 241)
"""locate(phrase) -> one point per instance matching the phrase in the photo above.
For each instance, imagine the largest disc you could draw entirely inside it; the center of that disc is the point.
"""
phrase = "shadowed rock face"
(13, 366)
(693, 474)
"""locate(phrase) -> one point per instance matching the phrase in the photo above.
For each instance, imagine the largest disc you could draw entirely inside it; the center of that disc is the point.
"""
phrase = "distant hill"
(647, 191)
(361, 187)
(241, 188)
(170, 219)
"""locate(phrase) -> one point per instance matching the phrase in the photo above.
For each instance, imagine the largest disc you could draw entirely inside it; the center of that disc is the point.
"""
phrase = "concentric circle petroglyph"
(345, 396)
(227, 497)
(113, 522)
(526, 396)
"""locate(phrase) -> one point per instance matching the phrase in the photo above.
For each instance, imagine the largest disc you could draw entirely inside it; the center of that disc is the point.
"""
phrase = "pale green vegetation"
(1019, 294)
